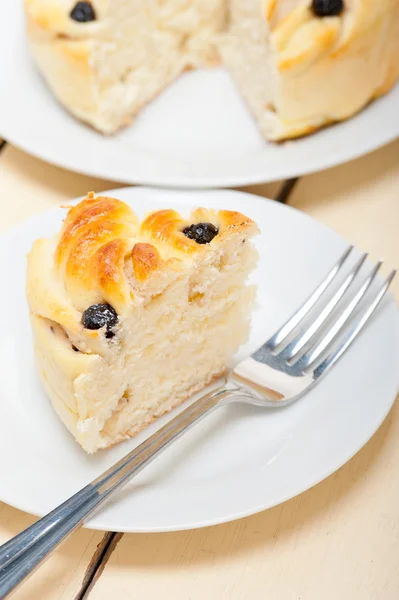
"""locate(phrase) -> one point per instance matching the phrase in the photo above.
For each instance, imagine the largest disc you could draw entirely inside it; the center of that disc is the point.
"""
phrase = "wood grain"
(29, 186)
(97, 563)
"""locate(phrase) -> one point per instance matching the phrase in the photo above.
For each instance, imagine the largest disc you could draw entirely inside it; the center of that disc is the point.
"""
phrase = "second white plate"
(198, 133)
(240, 459)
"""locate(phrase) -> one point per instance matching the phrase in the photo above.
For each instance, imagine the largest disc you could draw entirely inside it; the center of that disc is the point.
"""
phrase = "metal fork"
(277, 374)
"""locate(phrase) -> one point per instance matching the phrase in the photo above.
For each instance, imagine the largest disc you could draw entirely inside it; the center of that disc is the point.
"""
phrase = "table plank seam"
(285, 190)
(97, 563)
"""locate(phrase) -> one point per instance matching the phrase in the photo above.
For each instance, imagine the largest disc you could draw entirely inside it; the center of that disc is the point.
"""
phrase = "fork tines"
(324, 326)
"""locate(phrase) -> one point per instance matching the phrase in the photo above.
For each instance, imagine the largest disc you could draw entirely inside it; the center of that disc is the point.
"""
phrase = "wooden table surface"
(337, 541)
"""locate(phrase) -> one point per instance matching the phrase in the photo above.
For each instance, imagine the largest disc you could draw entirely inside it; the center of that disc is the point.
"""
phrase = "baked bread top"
(65, 18)
(103, 254)
(300, 35)
(304, 64)
(54, 18)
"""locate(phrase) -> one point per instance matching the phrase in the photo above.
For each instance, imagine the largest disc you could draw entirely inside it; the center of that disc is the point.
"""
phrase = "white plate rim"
(137, 178)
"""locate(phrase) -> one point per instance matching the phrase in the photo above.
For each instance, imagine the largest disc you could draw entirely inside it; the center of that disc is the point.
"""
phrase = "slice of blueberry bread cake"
(303, 64)
(106, 59)
(131, 318)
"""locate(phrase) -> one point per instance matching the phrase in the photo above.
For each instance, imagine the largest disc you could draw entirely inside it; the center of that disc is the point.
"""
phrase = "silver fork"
(277, 374)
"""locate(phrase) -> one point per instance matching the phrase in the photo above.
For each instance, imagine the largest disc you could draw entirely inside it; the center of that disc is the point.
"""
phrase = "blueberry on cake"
(299, 64)
(131, 318)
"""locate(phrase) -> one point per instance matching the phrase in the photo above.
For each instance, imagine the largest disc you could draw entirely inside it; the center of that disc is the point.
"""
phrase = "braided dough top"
(300, 37)
(103, 254)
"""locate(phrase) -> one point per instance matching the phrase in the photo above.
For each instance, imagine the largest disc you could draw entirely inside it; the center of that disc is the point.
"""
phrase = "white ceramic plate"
(198, 133)
(241, 459)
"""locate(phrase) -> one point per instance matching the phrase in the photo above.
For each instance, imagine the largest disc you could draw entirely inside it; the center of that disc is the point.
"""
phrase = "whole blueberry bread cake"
(299, 64)
(130, 319)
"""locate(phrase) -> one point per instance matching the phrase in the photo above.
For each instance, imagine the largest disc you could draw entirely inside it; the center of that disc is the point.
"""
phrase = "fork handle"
(20, 555)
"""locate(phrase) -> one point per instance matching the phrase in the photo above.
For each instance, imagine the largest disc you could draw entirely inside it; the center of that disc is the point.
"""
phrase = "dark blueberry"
(327, 8)
(83, 12)
(202, 233)
(98, 316)
(74, 348)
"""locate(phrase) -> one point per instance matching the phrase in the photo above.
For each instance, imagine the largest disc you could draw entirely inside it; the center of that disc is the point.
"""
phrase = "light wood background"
(338, 541)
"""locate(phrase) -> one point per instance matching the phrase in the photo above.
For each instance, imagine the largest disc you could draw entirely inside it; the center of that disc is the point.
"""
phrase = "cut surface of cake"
(131, 318)
(105, 60)
(298, 64)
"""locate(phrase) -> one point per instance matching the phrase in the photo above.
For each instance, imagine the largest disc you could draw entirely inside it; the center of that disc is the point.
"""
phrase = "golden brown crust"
(93, 212)
(108, 264)
(94, 240)
(146, 260)
(229, 219)
(52, 18)
(99, 237)
(299, 72)
(270, 7)
(165, 227)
